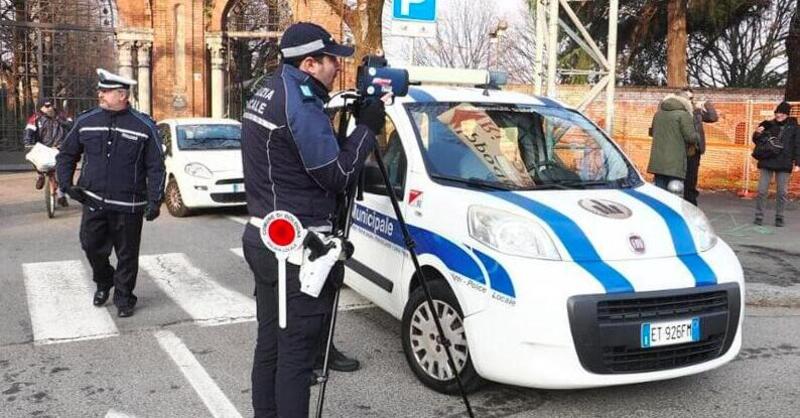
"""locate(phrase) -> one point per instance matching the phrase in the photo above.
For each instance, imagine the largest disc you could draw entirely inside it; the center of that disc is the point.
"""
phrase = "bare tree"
(364, 20)
(518, 51)
(462, 37)
(750, 54)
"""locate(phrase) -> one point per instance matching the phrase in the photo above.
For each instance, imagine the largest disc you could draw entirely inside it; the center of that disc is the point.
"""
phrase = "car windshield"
(517, 147)
(209, 137)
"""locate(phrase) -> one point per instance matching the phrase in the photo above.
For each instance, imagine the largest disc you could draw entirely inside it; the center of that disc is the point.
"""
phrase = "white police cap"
(109, 80)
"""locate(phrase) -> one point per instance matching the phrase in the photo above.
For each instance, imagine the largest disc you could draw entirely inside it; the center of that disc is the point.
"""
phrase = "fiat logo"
(606, 208)
(637, 244)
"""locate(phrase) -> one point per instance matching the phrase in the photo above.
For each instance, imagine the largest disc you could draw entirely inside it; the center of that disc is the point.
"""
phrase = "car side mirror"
(373, 182)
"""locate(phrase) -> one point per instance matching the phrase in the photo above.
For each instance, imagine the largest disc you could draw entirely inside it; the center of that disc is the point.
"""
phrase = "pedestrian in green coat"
(673, 132)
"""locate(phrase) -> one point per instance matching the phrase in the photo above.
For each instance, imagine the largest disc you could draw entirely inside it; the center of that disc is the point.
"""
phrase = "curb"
(767, 296)
(15, 167)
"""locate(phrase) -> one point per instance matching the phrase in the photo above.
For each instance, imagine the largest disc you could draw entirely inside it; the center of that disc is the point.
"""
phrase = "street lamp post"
(494, 41)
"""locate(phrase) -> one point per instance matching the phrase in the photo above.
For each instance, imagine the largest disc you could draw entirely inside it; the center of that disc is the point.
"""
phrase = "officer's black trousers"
(690, 192)
(284, 358)
(102, 230)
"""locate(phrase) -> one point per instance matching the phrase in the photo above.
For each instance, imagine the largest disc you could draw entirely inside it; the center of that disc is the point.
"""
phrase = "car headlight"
(198, 170)
(702, 232)
(510, 234)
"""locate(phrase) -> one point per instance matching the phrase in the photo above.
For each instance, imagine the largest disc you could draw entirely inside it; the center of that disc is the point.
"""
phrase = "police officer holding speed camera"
(293, 162)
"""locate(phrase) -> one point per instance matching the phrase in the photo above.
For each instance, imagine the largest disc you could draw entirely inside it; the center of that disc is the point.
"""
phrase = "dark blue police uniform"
(122, 177)
(292, 162)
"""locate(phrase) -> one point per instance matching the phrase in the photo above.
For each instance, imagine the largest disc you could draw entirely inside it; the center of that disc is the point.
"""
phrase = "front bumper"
(552, 337)
(606, 329)
(221, 190)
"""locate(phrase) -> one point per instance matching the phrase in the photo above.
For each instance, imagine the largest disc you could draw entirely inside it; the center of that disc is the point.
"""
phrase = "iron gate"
(252, 29)
(50, 49)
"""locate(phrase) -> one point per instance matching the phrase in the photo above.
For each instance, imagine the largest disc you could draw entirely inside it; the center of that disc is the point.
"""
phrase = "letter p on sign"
(405, 6)
(415, 10)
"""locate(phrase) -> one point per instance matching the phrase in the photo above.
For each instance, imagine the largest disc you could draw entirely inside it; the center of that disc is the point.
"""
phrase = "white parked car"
(552, 263)
(203, 162)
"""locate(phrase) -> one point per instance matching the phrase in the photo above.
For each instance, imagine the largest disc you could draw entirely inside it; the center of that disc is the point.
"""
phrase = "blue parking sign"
(418, 10)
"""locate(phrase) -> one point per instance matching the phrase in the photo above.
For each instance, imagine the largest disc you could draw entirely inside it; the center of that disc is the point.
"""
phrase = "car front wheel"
(424, 349)
(174, 202)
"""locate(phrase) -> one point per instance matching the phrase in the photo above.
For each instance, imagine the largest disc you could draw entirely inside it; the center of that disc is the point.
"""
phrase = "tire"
(425, 356)
(174, 202)
(49, 198)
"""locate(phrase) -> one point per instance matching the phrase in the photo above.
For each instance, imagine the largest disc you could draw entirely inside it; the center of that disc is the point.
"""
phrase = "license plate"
(238, 187)
(656, 334)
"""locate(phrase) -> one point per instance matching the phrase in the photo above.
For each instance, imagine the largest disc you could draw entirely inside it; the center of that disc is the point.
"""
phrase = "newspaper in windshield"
(482, 136)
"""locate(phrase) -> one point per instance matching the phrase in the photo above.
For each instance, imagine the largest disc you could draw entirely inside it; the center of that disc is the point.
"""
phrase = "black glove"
(372, 114)
(152, 211)
(76, 193)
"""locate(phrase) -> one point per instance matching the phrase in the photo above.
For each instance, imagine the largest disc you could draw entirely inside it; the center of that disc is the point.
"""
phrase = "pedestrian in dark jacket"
(673, 131)
(47, 127)
(703, 111)
(783, 131)
(122, 178)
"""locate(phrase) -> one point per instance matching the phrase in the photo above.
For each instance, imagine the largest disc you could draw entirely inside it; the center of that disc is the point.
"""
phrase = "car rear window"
(209, 137)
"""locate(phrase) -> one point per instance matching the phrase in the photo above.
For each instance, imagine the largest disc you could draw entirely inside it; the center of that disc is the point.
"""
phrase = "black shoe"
(100, 297)
(40, 182)
(779, 222)
(62, 201)
(338, 361)
(125, 311)
(758, 221)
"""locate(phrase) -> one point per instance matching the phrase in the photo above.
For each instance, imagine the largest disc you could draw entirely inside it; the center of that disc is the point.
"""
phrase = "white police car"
(552, 263)
(204, 164)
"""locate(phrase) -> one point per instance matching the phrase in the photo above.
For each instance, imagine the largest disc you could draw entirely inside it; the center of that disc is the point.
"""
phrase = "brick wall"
(134, 13)
(179, 92)
(184, 92)
(726, 164)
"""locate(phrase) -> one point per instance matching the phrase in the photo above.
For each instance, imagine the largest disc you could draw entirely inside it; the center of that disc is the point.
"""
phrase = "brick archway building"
(177, 50)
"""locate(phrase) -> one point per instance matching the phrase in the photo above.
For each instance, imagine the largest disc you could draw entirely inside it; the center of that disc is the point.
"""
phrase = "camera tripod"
(344, 222)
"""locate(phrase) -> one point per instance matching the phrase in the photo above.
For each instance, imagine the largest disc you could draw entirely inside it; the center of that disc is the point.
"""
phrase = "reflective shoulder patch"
(306, 91)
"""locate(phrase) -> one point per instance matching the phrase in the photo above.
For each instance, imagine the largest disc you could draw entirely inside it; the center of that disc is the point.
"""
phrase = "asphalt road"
(176, 360)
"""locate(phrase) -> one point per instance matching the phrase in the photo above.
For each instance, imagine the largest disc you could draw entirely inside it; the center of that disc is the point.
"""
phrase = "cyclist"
(48, 127)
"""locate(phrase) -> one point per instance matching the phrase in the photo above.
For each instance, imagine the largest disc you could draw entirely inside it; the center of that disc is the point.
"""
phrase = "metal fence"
(50, 49)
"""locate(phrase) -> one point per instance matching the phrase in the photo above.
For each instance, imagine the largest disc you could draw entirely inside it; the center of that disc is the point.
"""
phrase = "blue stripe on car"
(681, 239)
(575, 240)
(451, 254)
(427, 242)
(499, 279)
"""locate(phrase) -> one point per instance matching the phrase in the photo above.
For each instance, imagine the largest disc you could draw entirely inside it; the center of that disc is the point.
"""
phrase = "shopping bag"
(42, 157)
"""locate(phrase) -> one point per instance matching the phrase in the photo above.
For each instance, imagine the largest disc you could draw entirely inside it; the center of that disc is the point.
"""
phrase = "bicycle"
(50, 192)
(43, 162)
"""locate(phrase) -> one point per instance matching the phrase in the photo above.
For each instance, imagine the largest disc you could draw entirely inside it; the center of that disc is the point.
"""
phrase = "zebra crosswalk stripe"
(59, 295)
(205, 300)
(212, 396)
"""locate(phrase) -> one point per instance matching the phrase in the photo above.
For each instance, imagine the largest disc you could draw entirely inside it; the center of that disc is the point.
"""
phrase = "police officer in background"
(122, 178)
(292, 162)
